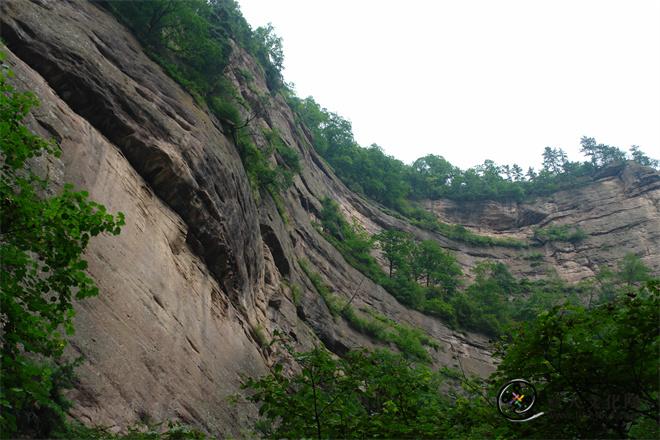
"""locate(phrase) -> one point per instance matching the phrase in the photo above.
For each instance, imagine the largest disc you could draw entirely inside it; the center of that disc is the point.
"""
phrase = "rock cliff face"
(199, 276)
(619, 212)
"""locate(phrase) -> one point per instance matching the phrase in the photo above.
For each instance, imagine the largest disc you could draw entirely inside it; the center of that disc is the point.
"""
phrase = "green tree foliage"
(429, 175)
(271, 55)
(191, 39)
(366, 170)
(427, 220)
(632, 270)
(423, 261)
(395, 185)
(42, 240)
(261, 173)
(332, 220)
(364, 395)
(409, 340)
(178, 35)
(641, 158)
(397, 247)
(484, 306)
(409, 261)
(288, 156)
(435, 266)
(554, 160)
(350, 239)
(423, 276)
(600, 155)
(227, 22)
(595, 371)
(559, 233)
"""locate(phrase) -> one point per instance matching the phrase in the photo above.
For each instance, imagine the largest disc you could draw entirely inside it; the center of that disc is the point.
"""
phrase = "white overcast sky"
(477, 79)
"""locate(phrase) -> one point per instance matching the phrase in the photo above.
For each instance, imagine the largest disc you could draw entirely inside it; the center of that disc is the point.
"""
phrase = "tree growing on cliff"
(271, 55)
(554, 160)
(177, 33)
(641, 158)
(396, 246)
(42, 240)
(632, 270)
(600, 154)
(435, 266)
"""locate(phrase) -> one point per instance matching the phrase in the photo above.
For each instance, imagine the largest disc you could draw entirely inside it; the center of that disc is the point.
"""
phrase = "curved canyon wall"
(200, 274)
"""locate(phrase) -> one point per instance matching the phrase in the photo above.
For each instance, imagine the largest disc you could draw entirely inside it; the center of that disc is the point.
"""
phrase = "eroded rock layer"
(619, 212)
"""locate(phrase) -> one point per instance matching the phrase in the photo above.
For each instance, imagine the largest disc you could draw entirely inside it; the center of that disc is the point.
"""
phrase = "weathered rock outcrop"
(200, 274)
(619, 212)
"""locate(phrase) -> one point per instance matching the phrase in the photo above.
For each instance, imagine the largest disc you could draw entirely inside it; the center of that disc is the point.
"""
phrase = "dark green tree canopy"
(595, 371)
(395, 184)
